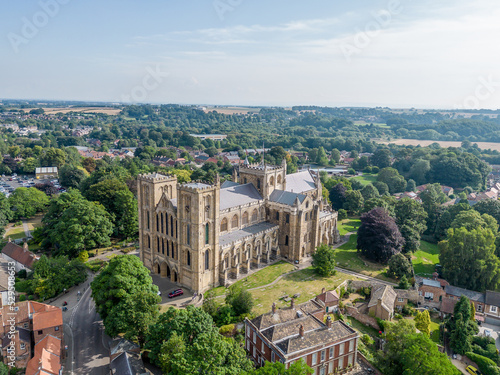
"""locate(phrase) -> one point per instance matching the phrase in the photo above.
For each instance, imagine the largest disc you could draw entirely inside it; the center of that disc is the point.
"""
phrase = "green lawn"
(366, 179)
(347, 257)
(349, 225)
(260, 278)
(435, 330)
(15, 233)
(425, 259)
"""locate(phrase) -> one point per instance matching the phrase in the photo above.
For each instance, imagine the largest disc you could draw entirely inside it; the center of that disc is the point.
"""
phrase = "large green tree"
(395, 182)
(186, 341)
(410, 219)
(278, 368)
(26, 202)
(461, 326)
(468, 259)
(240, 300)
(324, 260)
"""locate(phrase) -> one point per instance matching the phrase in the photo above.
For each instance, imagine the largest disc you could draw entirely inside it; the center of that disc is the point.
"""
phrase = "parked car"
(175, 293)
(472, 370)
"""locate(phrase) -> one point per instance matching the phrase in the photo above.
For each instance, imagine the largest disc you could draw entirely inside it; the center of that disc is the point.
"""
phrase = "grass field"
(16, 232)
(425, 259)
(366, 179)
(347, 257)
(304, 282)
(260, 278)
(435, 330)
(349, 225)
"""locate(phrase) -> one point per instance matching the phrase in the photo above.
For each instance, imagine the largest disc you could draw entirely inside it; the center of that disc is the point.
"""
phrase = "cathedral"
(202, 235)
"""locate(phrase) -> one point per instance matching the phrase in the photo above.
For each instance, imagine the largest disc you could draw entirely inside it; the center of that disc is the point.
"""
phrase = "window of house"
(305, 217)
(26, 325)
(234, 221)
(262, 348)
(223, 225)
(161, 222)
(273, 357)
(350, 361)
(158, 244)
(56, 328)
(188, 258)
(254, 338)
(147, 220)
(479, 308)
(330, 367)
(254, 215)
(400, 300)
(429, 295)
(351, 345)
(314, 359)
(493, 309)
(254, 353)
(341, 349)
(207, 233)
(330, 355)
(258, 184)
(307, 204)
(322, 371)
(149, 242)
(157, 223)
(244, 220)
(323, 355)
(40, 332)
(172, 226)
(248, 345)
(163, 247)
(23, 346)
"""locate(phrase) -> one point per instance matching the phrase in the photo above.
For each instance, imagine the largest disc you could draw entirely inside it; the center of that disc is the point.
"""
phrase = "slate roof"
(492, 298)
(386, 294)
(329, 297)
(238, 195)
(433, 283)
(16, 252)
(470, 294)
(300, 182)
(286, 197)
(120, 345)
(196, 185)
(228, 183)
(127, 364)
(237, 235)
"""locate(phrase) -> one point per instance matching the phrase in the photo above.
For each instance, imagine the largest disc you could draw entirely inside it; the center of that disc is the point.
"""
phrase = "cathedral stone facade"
(202, 235)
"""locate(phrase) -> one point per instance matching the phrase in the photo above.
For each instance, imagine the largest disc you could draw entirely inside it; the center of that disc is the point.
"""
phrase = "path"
(27, 232)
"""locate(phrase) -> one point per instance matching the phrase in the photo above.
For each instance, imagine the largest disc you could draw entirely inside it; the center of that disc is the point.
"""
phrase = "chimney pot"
(323, 290)
(329, 322)
(301, 331)
(25, 246)
(273, 307)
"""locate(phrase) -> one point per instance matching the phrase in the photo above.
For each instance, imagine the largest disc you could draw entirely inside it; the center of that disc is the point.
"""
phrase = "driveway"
(494, 332)
(166, 286)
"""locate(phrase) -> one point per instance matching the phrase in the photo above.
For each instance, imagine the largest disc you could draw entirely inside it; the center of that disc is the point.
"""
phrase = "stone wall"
(363, 318)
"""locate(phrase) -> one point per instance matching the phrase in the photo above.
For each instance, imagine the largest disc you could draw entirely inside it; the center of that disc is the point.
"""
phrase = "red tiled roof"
(47, 358)
(448, 305)
(328, 297)
(47, 319)
(16, 252)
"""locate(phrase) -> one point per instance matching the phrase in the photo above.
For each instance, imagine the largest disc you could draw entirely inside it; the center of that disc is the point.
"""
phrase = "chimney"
(25, 246)
(292, 303)
(10, 240)
(301, 331)
(323, 290)
(329, 322)
(273, 308)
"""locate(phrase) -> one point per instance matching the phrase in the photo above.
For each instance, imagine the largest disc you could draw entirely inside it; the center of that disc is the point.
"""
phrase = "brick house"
(329, 300)
(477, 298)
(492, 308)
(432, 290)
(20, 255)
(299, 333)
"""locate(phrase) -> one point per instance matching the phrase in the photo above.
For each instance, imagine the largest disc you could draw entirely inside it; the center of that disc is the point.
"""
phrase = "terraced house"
(201, 235)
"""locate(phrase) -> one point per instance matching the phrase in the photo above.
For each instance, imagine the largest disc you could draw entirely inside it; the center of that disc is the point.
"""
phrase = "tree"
(468, 259)
(404, 283)
(378, 236)
(83, 225)
(71, 176)
(446, 218)
(5, 213)
(411, 185)
(381, 187)
(461, 326)
(48, 188)
(471, 219)
(432, 198)
(335, 155)
(419, 171)
(381, 158)
(278, 368)
(26, 202)
(123, 278)
(490, 207)
(342, 214)
(423, 322)
(410, 219)
(399, 266)
(338, 196)
(395, 182)
(53, 157)
(369, 191)
(240, 300)
(354, 201)
(324, 260)
(186, 341)
(29, 165)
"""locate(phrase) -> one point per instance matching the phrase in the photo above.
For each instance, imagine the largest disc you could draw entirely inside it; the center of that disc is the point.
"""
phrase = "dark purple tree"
(378, 236)
(48, 188)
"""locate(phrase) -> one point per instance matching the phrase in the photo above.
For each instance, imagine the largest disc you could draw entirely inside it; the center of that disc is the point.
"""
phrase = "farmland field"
(107, 111)
(423, 143)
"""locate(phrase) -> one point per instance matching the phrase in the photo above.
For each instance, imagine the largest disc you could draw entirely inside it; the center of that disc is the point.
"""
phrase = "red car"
(175, 293)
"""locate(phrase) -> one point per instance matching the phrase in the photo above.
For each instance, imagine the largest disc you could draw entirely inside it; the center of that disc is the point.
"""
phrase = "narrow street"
(84, 336)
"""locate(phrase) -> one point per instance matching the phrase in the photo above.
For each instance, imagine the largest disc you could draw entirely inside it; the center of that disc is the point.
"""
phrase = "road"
(84, 336)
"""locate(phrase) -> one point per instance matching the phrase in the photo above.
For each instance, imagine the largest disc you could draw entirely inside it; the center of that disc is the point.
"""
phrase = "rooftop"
(237, 195)
(300, 182)
(286, 197)
(433, 283)
(470, 294)
(251, 230)
(19, 254)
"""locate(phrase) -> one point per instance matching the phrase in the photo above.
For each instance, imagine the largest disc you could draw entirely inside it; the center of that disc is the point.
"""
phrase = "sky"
(395, 53)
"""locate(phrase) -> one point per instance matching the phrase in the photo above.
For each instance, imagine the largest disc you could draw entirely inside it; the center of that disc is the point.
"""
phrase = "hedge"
(227, 329)
(486, 365)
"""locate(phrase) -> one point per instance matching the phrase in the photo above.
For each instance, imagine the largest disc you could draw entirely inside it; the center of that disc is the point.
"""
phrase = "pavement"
(494, 332)
(84, 336)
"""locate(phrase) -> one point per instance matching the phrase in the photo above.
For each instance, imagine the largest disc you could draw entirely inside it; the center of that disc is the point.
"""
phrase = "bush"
(342, 214)
(83, 256)
(489, 351)
(367, 170)
(30, 297)
(227, 329)
(367, 340)
(23, 286)
(351, 171)
(22, 297)
(22, 274)
(486, 365)
(375, 169)
(408, 310)
(18, 223)
(398, 316)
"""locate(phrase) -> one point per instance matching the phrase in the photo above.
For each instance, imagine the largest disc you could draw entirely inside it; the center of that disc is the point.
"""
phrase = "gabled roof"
(470, 294)
(386, 295)
(47, 358)
(228, 183)
(286, 197)
(16, 252)
(300, 182)
(238, 195)
(433, 283)
(127, 364)
(328, 297)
